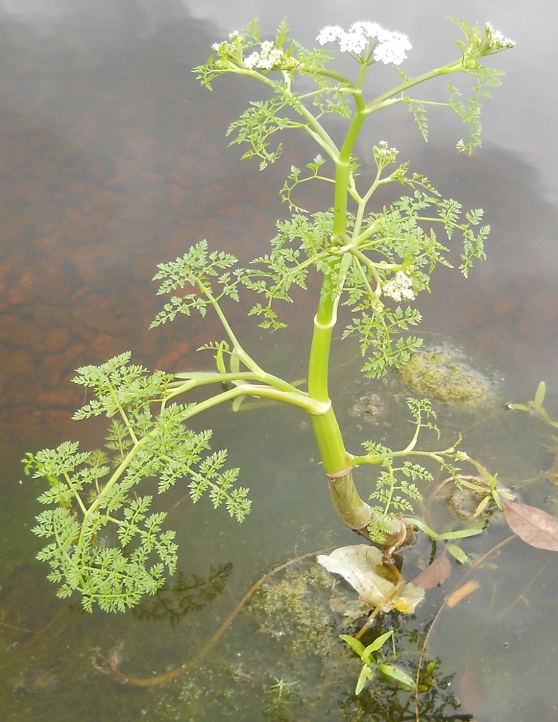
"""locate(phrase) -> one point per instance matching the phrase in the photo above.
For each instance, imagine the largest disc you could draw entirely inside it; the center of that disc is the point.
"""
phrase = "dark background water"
(112, 159)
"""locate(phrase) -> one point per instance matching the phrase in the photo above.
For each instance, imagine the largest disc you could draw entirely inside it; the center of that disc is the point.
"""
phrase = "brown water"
(112, 159)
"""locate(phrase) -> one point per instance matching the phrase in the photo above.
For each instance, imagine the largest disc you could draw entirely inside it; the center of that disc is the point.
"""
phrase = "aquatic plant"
(372, 260)
(370, 665)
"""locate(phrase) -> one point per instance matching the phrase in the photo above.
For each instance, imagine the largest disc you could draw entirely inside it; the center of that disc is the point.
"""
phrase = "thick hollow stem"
(337, 466)
(349, 506)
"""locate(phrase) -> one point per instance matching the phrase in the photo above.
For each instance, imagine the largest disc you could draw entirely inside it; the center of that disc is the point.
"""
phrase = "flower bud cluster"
(268, 58)
(224, 47)
(388, 48)
(399, 287)
(384, 155)
(495, 39)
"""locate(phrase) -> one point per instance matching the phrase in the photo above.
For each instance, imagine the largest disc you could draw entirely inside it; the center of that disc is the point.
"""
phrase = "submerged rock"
(36, 679)
(443, 373)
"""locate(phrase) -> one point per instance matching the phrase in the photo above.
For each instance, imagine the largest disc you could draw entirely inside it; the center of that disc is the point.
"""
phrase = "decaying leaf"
(460, 594)
(362, 567)
(473, 692)
(435, 574)
(535, 526)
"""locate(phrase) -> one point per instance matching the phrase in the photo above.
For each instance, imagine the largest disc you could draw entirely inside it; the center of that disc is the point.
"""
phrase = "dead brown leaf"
(535, 526)
(435, 574)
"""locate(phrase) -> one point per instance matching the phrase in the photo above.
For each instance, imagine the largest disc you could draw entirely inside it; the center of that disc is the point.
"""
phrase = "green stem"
(337, 466)
(313, 127)
(110, 483)
(379, 459)
(75, 492)
(343, 172)
(240, 352)
(385, 98)
(298, 399)
(203, 379)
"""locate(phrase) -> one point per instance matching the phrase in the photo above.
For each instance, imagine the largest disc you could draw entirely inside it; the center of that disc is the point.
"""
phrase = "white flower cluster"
(496, 40)
(389, 48)
(266, 59)
(399, 288)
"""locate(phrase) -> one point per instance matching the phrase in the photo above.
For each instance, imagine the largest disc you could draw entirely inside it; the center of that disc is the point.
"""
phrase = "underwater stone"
(443, 373)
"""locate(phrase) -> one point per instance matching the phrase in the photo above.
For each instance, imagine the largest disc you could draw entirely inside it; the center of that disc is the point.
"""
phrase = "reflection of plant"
(184, 595)
(373, 260)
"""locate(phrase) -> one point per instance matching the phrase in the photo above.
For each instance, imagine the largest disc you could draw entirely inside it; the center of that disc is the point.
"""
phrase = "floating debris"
(368, 408)
(361, 565)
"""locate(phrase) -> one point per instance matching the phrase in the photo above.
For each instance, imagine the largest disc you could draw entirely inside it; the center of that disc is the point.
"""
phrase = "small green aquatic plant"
(371, 665)
(103, 539)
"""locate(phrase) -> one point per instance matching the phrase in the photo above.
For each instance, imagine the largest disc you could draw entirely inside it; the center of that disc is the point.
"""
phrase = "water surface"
(112, 159)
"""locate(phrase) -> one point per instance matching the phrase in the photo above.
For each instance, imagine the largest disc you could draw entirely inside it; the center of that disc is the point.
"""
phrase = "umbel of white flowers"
(389, 47)
(399, 287)
(368, 41)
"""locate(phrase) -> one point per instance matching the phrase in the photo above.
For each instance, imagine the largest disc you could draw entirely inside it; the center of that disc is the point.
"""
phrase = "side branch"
(378, 102)
(298, 399)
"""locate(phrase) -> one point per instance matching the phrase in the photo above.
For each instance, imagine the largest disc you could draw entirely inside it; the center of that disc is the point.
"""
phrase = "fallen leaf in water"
(535, 526)
(472, 690)
(435, 574)
(460, 594)
(363, 568)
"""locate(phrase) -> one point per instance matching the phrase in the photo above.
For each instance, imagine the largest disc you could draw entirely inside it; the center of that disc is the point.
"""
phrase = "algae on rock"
(443, 373)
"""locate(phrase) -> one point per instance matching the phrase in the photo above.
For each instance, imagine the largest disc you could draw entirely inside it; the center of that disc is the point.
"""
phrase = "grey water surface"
(113, 159)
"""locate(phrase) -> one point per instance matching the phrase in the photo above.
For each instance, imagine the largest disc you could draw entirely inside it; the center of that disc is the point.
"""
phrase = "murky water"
(112, 159)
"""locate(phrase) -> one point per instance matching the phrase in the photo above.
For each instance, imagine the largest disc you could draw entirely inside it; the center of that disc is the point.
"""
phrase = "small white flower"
(268, 58)
(399, 287)
(267, 47)
(389, 47)
(371, 30)
(353, 43)
(216, 47)
(235, 34)
(251, 61)
(392, 48)
(496, 40)
(329, 34)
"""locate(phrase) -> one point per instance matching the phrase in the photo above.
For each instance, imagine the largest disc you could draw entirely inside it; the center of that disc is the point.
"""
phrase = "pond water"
(113, 159)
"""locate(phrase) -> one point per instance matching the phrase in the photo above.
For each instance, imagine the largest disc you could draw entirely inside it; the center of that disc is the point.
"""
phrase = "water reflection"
(183, 595)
